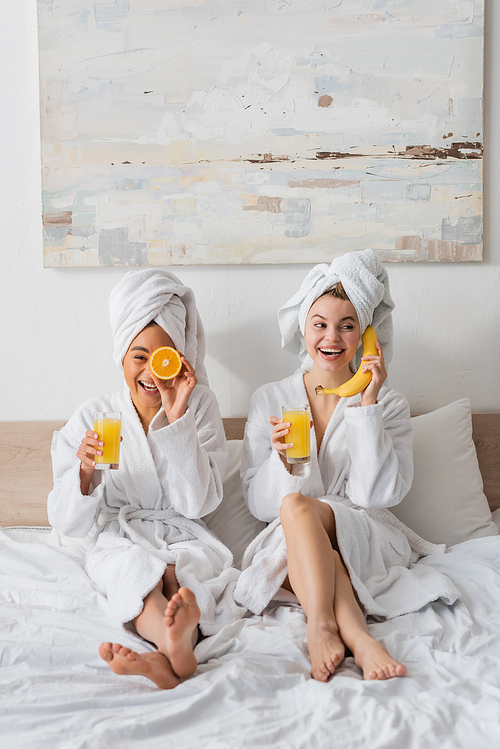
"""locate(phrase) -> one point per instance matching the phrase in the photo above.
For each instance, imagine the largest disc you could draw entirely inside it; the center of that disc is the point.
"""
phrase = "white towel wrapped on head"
(366, 283)
(151, 294)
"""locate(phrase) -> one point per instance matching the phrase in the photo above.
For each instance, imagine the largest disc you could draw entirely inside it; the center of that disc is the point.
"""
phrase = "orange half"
(165, 363)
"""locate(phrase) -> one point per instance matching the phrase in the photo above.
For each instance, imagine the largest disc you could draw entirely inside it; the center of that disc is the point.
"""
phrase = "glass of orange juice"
(300, 433)
(108, 427)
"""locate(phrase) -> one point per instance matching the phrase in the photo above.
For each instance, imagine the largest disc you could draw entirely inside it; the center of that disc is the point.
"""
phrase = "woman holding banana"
(331, 541)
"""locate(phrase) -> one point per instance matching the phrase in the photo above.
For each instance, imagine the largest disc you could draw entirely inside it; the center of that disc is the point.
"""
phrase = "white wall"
(54, 334)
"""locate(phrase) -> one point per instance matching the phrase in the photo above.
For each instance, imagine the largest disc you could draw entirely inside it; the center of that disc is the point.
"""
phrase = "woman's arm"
(195, 451)
(379, 441)
(266, 479)
(72, 504)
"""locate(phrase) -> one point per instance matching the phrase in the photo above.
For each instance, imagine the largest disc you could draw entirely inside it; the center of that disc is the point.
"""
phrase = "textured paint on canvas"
(262, 131)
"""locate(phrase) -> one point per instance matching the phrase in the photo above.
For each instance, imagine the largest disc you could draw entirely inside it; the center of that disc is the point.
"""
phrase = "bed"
(252, 687)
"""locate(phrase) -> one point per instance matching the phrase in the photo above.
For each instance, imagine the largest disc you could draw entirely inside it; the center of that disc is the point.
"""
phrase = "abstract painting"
(191, 132)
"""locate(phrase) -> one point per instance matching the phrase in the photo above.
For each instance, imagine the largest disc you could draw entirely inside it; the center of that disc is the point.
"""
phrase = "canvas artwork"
(189, 132)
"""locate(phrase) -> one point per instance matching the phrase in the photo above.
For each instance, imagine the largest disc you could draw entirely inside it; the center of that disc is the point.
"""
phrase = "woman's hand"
(175, 394)
(375, 365)
(90, 446)
(278, 438)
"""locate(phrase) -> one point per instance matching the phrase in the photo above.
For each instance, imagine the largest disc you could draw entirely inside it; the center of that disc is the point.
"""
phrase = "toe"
(171, 608)
(105, 651)
(187, 596)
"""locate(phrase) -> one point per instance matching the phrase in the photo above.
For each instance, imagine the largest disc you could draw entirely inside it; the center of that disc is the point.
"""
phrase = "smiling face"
(145, 395)
(332, 335)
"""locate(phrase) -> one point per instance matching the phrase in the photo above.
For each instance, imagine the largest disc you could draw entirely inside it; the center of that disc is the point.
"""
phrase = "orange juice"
(108, 427)
(300, 433)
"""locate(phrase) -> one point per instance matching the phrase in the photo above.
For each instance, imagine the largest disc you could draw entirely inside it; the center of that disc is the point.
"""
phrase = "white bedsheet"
(252, 687)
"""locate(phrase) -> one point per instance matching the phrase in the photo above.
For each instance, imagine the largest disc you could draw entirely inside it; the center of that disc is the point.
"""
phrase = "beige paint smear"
(440, 250)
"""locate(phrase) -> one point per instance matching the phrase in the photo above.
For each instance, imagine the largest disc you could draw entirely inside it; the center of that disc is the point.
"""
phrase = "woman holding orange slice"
(160, 568)
(331, 539)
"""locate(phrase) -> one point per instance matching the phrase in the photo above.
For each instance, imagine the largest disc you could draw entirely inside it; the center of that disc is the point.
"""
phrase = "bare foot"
(374, 660)
(154, 666)
(326, 649)
(181, 627)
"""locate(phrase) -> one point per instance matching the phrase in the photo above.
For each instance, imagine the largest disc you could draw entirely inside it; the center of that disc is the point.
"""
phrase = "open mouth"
(331, 353)
(148, 387)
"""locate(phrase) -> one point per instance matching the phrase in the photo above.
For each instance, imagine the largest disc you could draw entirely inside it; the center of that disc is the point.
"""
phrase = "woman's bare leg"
(322, 584)
(169, 619)
(369, 654)
(309, 527)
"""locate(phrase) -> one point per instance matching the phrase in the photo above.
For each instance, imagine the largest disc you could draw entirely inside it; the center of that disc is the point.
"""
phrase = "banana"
(361, 379)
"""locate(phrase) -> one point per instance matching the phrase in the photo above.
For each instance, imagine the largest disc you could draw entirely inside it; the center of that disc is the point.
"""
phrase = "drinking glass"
(107, 424)
(300, 433)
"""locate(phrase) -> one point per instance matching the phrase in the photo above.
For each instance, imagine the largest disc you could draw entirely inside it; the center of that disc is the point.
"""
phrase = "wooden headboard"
(26, 470)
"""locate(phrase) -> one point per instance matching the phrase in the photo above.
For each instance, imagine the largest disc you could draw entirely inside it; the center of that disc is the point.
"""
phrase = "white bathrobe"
(149, 509)
(363, 467)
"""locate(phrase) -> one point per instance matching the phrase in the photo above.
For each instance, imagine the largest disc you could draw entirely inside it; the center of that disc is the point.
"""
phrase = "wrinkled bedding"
(252, 687)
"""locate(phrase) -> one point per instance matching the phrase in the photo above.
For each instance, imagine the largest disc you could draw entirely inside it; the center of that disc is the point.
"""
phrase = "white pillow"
(232, 521)
(446, 503)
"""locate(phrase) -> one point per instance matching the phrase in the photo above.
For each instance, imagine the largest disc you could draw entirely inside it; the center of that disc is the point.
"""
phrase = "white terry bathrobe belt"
(168, 517)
